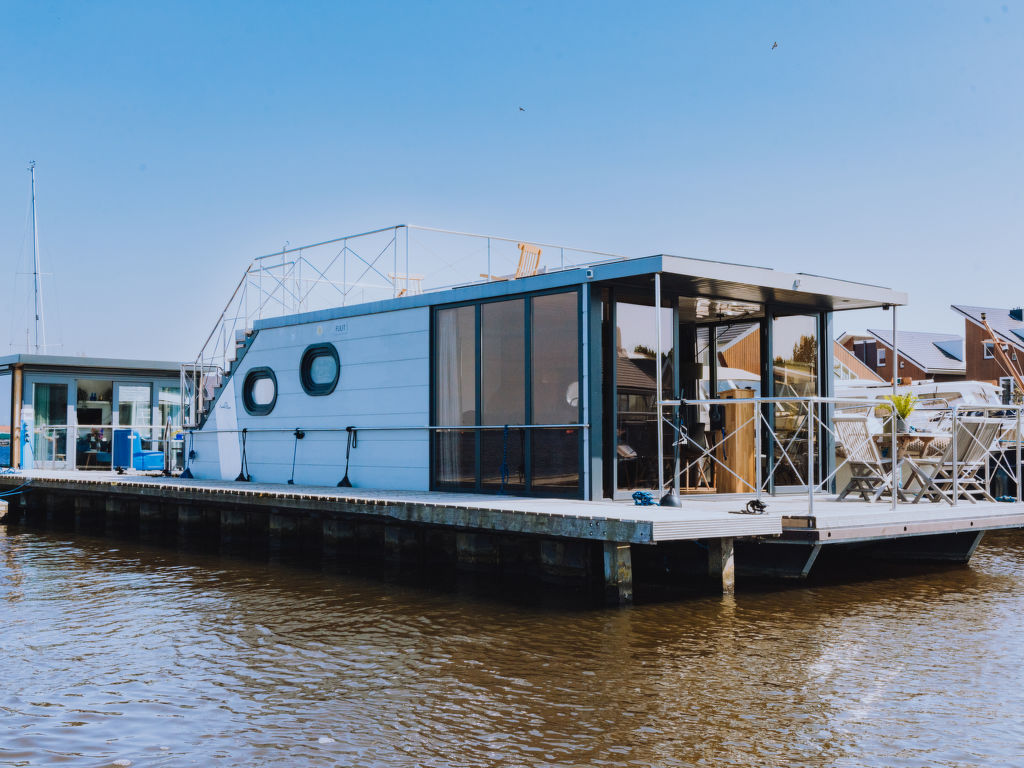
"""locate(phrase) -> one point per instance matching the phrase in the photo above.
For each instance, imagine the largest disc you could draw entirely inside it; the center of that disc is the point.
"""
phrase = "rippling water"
(119, 652)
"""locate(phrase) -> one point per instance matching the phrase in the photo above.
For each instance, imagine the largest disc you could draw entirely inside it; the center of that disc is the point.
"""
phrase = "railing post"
(657, 383)
(757, 448)
(1018, 472)
(810, 455)
(956, 452)
(897, 470)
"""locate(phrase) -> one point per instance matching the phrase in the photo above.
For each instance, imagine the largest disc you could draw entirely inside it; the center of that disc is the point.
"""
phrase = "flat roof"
(71, 361)
(689, 276)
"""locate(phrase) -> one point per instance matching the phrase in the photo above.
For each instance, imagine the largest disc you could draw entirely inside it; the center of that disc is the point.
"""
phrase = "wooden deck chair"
(937, 475)
(870, 474)
(529, 264)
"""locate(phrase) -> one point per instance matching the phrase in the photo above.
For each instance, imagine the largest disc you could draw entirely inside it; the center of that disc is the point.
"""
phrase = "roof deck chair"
(529, 264)
(936, 476)
(870, 474)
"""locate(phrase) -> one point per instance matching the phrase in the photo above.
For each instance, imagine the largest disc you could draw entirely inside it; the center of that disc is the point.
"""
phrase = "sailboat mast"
(40, 326)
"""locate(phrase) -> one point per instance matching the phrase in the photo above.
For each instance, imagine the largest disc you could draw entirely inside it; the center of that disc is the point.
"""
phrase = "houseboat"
(542, 382)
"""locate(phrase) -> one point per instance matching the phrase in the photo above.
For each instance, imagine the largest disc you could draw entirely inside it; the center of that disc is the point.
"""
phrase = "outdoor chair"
(937, 476)
(870, 474)
(529, 264)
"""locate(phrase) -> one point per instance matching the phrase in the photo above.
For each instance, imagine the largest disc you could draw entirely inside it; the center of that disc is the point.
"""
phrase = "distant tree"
(644, 351)
(805, 349)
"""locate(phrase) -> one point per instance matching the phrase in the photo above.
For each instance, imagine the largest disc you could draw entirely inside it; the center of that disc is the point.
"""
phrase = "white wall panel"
(384, 381)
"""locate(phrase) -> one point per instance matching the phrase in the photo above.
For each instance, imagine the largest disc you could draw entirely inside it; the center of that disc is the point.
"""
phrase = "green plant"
(903, 404)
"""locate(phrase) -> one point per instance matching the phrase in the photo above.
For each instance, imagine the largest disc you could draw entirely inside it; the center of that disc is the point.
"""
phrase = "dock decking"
(783, 542)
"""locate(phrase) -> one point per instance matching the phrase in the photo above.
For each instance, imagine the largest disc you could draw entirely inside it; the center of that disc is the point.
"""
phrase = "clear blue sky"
(879, 142)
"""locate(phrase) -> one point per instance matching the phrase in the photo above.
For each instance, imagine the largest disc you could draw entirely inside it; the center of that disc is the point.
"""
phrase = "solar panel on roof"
(1018, 332)
(952, 348)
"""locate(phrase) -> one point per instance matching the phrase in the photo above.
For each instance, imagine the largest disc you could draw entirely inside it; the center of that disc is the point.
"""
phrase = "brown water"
(120, 652)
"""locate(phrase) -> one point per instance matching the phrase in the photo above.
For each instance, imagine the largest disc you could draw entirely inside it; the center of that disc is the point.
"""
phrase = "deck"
(555, 535)
(699, 517)
(595, 520)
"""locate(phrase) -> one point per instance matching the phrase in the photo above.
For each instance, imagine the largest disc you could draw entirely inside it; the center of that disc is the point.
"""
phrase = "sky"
(879, 142)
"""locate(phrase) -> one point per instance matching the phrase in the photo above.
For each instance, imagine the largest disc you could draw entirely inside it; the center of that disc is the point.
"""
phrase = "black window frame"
(477, 304)
(310, 354)
(255, 374)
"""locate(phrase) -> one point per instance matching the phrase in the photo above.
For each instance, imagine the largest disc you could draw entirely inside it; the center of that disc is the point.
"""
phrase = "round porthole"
(259, 392)
(320, 369)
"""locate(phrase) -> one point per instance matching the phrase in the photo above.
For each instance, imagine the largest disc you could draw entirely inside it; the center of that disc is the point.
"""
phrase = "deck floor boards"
(699, 517)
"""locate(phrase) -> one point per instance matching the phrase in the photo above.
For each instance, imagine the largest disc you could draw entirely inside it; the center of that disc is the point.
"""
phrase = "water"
(119, 652)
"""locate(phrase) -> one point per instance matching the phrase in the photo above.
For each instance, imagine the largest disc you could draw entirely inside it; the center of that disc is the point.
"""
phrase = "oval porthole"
(320, 369)
(259, 392)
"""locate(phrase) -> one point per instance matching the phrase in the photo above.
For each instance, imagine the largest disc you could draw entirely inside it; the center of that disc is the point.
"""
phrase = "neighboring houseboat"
(64, 412)
(540, 383)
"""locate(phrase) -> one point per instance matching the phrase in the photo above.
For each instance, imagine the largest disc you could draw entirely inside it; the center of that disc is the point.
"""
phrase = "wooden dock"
(707, 538)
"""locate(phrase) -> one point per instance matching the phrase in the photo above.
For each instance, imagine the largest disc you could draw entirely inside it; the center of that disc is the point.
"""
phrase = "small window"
(881, 357)
(320, 369)
(989, 350)
(259, 392)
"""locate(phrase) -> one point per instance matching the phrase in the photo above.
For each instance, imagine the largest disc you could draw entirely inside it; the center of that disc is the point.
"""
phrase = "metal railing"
(796, 444)
(354, 269)
(60, 444)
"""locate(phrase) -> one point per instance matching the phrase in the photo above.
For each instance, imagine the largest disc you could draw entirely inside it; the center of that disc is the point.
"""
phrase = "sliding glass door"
(506, 396)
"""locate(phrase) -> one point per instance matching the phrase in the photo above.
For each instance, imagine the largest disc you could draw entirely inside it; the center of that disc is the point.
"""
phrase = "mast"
(37, 278)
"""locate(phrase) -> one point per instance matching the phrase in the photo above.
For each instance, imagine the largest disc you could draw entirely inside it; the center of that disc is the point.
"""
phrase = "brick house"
(980, 358)
(922, 355)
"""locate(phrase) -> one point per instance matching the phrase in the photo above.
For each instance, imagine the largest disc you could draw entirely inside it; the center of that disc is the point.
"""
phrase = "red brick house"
(1008, 326)
(936, 356)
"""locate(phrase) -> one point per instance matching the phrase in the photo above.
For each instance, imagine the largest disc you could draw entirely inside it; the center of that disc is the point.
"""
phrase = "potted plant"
(903, 405)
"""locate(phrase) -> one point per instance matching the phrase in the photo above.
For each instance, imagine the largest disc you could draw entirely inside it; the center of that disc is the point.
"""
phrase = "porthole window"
(320, 369)
(259, 392)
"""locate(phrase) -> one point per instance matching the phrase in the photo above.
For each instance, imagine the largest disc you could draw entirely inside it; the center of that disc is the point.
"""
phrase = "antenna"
(37, 278)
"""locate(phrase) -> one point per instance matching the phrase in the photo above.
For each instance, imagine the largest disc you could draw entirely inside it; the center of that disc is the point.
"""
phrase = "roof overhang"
(714, 279)
(72, 363)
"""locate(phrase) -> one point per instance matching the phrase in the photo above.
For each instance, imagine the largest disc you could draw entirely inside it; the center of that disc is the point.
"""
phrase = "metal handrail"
(813, 419)
(399, 427)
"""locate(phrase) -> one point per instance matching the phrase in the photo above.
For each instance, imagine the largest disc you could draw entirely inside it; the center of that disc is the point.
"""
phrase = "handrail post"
(810, 456)
(659, 395)
(757, 447)
(956, 469)
(1018, 473)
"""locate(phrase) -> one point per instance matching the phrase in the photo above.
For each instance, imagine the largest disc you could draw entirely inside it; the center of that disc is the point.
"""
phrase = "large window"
(50, 431)
(795, 375)
(503, 394)
(93, 410)
(6, 429)
(455, 396)
(502, 367)
(636, 372)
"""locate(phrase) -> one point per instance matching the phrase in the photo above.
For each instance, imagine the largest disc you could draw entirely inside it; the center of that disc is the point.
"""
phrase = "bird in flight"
(521, 109)
(775, 45)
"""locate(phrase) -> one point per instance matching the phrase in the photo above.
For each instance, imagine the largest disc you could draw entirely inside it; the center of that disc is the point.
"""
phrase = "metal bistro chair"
(870, 474)
(937, 475)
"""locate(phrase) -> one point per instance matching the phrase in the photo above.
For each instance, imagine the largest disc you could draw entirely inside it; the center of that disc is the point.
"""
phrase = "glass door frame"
(528, 485)
(614, 296)
(825, 387)
(68, 426)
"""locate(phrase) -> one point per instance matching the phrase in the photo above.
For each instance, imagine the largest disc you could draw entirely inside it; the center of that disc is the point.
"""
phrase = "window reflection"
(795, 375)
(635, 392)
(455, 395)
